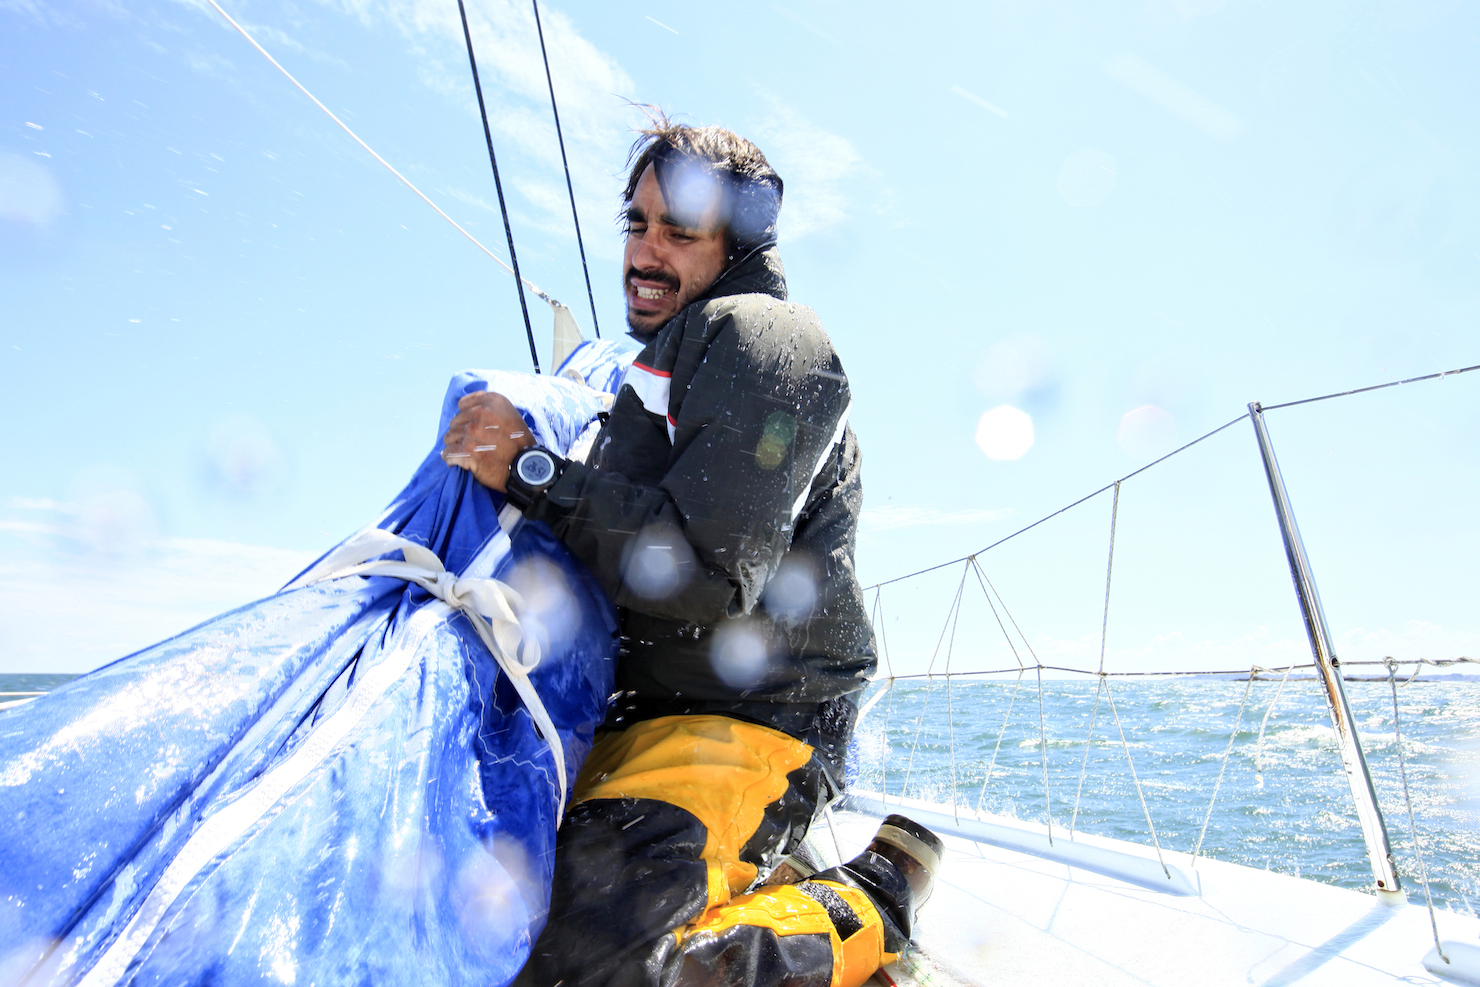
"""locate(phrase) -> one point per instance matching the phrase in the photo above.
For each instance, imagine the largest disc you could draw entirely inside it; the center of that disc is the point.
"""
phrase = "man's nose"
(649, 255)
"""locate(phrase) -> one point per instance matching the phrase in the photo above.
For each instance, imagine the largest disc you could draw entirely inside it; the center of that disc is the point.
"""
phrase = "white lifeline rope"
(489, 606)
(404, 181)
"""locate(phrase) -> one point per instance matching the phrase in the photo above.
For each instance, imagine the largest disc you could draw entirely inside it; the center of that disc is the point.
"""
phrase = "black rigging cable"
(493, 160)
(555, 110)
(1180, 449)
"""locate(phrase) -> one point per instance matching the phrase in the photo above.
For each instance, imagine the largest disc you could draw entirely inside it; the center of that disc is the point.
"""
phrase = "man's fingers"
(490, 399)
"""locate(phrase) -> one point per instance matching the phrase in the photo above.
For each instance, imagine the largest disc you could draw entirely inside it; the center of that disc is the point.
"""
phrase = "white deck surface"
(1003, 916)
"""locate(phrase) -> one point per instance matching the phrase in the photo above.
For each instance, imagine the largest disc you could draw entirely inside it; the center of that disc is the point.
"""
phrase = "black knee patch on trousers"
(839, 912)
(627, 872)
(876, 877)
(786, 820)
(746, 955)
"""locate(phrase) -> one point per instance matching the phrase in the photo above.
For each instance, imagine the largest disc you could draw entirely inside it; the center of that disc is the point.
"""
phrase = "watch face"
(535, 468)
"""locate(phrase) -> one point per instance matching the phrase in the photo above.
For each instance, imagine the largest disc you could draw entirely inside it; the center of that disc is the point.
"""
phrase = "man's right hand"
(485, 436)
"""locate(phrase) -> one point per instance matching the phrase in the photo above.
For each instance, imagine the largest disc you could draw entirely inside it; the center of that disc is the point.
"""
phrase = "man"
(718, 510)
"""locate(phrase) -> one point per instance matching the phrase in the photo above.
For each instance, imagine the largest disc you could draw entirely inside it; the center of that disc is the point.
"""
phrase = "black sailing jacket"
(720, 504)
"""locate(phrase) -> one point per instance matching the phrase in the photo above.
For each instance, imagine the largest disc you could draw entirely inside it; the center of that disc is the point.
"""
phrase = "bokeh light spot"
(792, 592)
(1019, 372)
(1147, 432)
(657, 563)
(245, 459)
(739, 655)
(494, 893)
(29, 193)
(1004, 433)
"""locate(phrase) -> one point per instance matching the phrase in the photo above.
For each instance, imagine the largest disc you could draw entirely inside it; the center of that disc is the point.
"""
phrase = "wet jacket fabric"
(719, 508)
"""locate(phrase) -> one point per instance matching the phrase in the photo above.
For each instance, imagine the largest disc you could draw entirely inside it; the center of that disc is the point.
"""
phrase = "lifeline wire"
(981, 581)
(951, 710)
(1182, 673)
(1137, 779)
(987, 590)
(1084, 761)
(1423, 874)
(1222, 765)
(1067, 507)
(499, 185)
(1374, 387)
(1174, 452)
(1259, 744)
(560, 136)
(1104, 629)
(925, 707)
(356, 138)
(1005, 717)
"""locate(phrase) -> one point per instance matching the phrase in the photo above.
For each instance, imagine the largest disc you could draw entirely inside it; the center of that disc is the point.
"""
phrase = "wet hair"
(750, 188)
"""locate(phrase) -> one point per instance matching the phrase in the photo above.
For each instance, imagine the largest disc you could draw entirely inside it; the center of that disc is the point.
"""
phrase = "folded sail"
(335, 784)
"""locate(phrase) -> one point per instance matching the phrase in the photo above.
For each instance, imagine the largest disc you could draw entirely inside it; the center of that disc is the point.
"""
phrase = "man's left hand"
(484, 438)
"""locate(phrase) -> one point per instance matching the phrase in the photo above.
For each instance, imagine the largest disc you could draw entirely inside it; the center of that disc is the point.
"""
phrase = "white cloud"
(271, 37)
(890, 518)
(1166, 92)
(806, 25)
(74, 612)
(71, 601)
(472, 199)
(814, 163)
(38, 504)
(973, 97)
(211, 64)
(1417, 639)
(590, 86)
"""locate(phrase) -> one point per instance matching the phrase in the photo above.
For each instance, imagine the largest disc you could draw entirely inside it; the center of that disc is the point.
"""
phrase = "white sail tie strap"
(489, 605)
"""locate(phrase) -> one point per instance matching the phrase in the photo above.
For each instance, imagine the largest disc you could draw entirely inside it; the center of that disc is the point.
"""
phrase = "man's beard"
(659, 277)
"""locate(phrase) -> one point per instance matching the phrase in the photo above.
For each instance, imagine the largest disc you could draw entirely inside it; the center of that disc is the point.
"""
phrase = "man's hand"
(484, 438)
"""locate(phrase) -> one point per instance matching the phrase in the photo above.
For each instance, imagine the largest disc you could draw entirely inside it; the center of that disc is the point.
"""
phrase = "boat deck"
(1009, 908)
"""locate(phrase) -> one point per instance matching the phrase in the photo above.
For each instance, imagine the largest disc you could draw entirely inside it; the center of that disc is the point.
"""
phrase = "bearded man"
(718, 509)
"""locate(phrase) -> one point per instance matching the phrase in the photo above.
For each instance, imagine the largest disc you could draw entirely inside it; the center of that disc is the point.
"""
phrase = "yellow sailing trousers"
(674, 821)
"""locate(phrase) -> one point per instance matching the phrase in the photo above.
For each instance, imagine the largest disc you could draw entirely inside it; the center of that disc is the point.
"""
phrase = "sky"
(1051, 242)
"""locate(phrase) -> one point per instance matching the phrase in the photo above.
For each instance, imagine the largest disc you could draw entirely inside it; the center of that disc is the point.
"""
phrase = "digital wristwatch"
(532, 472)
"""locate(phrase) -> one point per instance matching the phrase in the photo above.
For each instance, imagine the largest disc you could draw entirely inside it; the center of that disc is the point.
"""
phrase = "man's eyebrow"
(635, 214)
(668, 219)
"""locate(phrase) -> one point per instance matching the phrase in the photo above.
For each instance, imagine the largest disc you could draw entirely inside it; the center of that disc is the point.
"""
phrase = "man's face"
(673, 254)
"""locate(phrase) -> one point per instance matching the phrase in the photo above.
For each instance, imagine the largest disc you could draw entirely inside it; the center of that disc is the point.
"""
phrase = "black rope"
(568, 186)
(1374, 387)
(493, 160)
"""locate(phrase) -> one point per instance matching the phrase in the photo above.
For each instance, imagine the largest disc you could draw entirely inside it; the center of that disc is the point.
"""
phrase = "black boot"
(897, 872)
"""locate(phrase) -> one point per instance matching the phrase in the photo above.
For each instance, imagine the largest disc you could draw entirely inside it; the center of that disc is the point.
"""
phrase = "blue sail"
(337, 784)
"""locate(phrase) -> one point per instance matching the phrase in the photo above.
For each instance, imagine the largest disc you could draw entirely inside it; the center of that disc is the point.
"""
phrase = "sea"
(1165, 759)
(1283, 802)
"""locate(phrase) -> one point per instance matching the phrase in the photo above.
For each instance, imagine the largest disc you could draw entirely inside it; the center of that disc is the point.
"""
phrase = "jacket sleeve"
(765, 405)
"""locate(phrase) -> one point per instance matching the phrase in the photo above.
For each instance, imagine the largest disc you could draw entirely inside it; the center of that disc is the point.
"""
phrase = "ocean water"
(1283, 803)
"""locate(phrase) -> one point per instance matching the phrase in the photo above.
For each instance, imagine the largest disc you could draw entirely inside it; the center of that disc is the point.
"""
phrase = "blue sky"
(226, 330)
